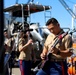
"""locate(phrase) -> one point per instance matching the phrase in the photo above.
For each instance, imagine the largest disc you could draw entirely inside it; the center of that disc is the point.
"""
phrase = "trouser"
(6, 64)
(25, 67)
(54, 68)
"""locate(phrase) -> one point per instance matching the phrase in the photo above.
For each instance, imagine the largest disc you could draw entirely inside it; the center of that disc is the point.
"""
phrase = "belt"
(57, 60)
(7, 53)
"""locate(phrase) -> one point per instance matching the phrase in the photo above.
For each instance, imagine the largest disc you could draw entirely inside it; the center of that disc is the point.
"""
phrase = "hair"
(26, 25)
(53, 21)
(5, 30)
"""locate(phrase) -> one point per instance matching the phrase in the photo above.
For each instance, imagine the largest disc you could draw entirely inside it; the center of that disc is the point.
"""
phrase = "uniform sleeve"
(68, 42)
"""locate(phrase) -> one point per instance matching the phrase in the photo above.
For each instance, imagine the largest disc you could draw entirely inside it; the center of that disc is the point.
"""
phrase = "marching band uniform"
(25, 49)
(8, 43)
(56, 63)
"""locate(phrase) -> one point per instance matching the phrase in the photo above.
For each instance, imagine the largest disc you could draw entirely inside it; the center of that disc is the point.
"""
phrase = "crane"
(70, 11)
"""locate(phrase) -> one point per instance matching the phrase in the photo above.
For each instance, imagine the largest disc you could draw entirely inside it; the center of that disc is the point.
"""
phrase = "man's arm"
(68, 47)
(44, 53)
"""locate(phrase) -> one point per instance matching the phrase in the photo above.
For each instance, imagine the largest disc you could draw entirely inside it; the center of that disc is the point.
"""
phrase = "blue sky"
(57, 11)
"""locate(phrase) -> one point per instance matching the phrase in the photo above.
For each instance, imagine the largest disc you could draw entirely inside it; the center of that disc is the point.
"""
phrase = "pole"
(1, 37)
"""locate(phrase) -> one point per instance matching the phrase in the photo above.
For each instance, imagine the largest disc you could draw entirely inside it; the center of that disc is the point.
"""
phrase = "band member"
(8, 43)
(56, 63)
(25, 49)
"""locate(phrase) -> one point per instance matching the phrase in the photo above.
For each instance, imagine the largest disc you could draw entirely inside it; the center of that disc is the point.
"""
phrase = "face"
(5, 34)
(27, 32)
(25, 35)
(54, 28)
(21, 34)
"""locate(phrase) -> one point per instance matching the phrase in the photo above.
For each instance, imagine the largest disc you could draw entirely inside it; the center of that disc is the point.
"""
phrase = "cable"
(71, 2)
(28, 1)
